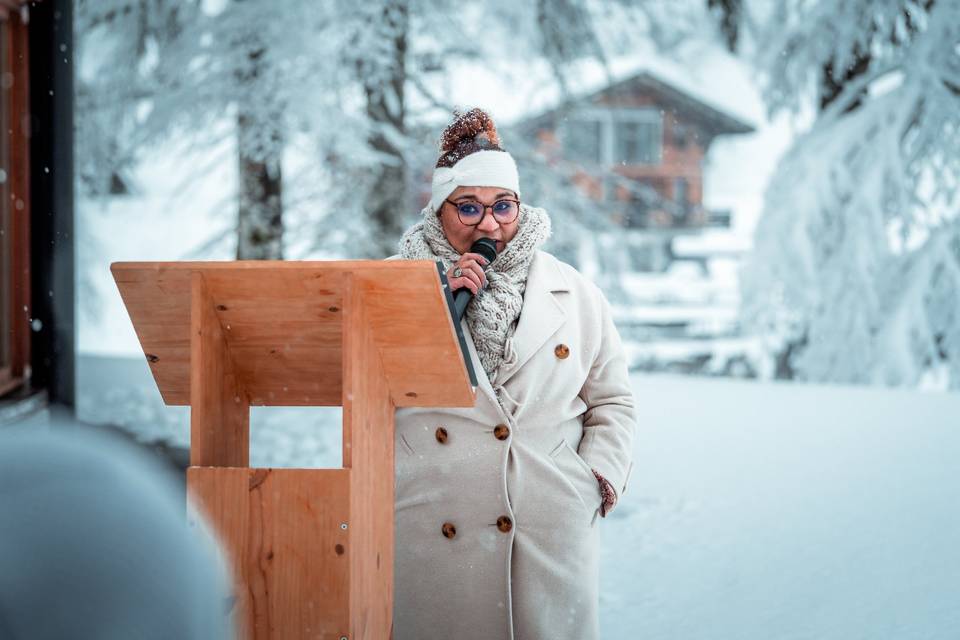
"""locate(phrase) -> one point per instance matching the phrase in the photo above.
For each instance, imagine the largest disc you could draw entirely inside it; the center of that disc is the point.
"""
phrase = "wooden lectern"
(311, 549)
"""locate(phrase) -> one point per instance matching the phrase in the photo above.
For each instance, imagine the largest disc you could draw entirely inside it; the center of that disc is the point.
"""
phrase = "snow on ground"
(761, 510)
(754, 510)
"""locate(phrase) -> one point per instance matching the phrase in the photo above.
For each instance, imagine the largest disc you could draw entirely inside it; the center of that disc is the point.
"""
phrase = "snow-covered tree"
(339, 74)
(170, 69)
(855, 274)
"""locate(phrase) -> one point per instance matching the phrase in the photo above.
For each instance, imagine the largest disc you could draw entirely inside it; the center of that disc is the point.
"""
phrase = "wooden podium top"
(283, 324)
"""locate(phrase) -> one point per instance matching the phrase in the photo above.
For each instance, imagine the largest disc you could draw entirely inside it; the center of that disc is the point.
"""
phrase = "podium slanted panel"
(311, 549)
(283, 321)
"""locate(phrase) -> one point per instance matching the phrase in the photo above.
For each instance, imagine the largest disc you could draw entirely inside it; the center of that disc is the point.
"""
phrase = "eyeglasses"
(471, 213)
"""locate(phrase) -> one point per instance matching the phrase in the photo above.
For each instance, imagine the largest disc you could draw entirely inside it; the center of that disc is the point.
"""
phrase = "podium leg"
(368, 454)
(219, 406)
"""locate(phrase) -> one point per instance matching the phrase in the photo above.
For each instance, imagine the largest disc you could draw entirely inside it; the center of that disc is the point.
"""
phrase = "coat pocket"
(580, 476)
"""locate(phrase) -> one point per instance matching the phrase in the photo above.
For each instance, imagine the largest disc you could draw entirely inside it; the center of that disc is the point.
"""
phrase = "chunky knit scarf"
(493, 314)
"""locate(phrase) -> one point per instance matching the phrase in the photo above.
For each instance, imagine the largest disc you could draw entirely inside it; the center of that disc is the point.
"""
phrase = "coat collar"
(540, 316)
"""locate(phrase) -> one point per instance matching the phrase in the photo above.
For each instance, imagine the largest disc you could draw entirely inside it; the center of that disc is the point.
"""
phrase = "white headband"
(481, 169)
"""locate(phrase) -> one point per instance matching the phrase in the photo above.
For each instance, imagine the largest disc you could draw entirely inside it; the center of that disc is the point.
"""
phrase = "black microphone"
(486, 247)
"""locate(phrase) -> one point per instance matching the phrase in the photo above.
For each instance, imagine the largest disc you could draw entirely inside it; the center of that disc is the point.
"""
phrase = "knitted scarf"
(492, 316)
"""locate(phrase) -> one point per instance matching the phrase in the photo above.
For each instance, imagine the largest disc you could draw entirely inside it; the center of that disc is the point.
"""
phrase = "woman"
(497, 505)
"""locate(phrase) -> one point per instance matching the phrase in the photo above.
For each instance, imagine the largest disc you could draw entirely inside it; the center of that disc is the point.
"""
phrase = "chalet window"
(605, 137)
(637, 140)
(583, 139)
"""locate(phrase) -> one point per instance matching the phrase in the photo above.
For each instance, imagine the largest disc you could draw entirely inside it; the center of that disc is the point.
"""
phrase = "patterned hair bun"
(468, 133)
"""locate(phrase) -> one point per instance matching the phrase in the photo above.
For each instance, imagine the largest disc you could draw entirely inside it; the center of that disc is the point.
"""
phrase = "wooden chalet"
(638, 146)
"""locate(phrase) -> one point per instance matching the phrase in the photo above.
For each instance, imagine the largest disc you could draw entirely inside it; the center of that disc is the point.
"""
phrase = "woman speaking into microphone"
(497, 505)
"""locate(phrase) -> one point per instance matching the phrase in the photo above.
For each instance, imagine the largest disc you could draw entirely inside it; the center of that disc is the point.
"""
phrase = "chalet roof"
(715, 119)
(706, 85)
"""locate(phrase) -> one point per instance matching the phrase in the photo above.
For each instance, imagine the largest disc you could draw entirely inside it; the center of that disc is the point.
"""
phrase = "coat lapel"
(541, 315)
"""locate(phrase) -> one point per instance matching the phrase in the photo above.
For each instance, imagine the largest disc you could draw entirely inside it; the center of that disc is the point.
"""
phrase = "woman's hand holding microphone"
(468, 272)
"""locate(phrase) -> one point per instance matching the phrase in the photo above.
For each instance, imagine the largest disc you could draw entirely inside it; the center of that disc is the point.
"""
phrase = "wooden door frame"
(16, 104)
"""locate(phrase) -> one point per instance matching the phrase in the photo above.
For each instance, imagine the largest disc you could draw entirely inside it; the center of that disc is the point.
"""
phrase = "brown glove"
(609, 495)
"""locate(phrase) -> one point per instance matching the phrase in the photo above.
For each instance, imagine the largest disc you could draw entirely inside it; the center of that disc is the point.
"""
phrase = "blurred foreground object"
(94, 543)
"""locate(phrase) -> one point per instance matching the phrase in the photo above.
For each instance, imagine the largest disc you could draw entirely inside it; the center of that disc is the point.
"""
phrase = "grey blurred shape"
(94, 543)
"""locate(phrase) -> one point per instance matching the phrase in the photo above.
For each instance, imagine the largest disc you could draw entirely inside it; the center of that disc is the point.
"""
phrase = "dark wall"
(51, 226)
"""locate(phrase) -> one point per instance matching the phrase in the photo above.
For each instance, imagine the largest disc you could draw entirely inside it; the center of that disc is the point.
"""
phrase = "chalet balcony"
(675, 219)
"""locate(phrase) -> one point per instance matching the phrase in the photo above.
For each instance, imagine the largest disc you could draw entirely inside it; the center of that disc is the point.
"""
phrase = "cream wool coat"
(564, 396)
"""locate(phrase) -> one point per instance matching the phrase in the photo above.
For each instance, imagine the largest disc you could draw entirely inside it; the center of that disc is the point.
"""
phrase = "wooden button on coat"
(504, 523)
(448, 530)
(501, 432)
(441, 435)
(561, 351)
